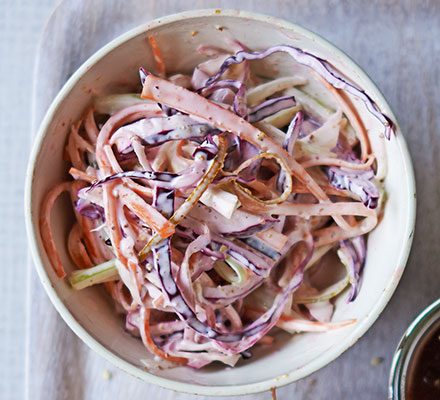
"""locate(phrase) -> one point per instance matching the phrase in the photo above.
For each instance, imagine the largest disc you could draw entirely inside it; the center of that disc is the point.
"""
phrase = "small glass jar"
(404, 356)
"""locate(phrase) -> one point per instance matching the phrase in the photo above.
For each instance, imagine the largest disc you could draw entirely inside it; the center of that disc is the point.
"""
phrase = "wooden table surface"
(396, 43)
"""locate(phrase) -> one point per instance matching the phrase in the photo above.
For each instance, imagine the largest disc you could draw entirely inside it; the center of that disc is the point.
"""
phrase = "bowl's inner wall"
(118, 71)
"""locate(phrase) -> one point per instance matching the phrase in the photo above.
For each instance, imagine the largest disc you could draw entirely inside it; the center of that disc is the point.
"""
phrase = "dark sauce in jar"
(423, 376)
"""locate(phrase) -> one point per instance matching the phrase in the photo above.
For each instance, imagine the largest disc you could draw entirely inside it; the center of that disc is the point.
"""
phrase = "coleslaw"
(211, 205)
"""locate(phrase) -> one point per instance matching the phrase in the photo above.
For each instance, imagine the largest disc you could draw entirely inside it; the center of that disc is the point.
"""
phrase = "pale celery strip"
(230, 270)
(100, 273)
(221, 201)
(317, 255)
(282, 118)
(325, 294)
(115, 102)
(316, 108)
(310, 104)
(261, 92)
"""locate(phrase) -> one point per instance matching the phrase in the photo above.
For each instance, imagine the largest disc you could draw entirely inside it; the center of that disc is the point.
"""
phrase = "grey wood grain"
(396, 43)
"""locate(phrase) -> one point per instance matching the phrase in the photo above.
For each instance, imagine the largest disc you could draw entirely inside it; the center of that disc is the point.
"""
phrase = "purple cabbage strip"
(292, 135)
(185, 233)
(190, 235)
(143, 73)
(225, 298)
(293, 132)
(127, 157)
(238, 89)
(131, 322)
(308, 126)
(233, 157)
(355, 253)
(250, 173)
(164, 179)
(258, 245)
(221, 180)
(158, 130)
(238, 151)
(319, 65)
(357, 182)
(253, 229)
(164, 340)
(190, 132)
(270, 107)
(224, 96)
(251, 334)
(168, 111)
(239, 105)
(248, 150)
(212, 253)
(127, 151)
(231, 84)
(208, 147)
(259, 264)
(162, 263)
(360, 247)
(90, 210)
(163, 200)
(243, 260)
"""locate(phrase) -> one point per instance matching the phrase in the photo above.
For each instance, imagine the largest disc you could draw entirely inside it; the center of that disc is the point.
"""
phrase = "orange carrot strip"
(147, 213)
(111, 219)
(76, 248)
(306, 210)
(90, 127)
(337, 162)
(117, 120)
(354, 118)
(46, 231)
(302, 325)
(157, 54)
(334, 234)
(139, 189)
(72, 148)
(151, 346)
(86, 226)
(330, 190)
(81, 175)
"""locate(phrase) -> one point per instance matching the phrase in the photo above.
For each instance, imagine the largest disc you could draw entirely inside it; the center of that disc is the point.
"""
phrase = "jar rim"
(405, 349)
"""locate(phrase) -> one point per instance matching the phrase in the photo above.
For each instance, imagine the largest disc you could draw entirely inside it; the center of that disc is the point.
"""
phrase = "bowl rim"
(167, 383)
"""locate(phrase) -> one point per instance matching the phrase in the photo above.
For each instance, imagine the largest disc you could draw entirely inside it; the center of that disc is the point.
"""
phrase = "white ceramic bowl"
(90, 314)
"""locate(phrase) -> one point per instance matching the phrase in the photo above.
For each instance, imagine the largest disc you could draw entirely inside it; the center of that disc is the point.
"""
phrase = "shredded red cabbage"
(270, 107)
(321, 66)
(357, 182)
(355, 251)
(89, 210)
(293, 132)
